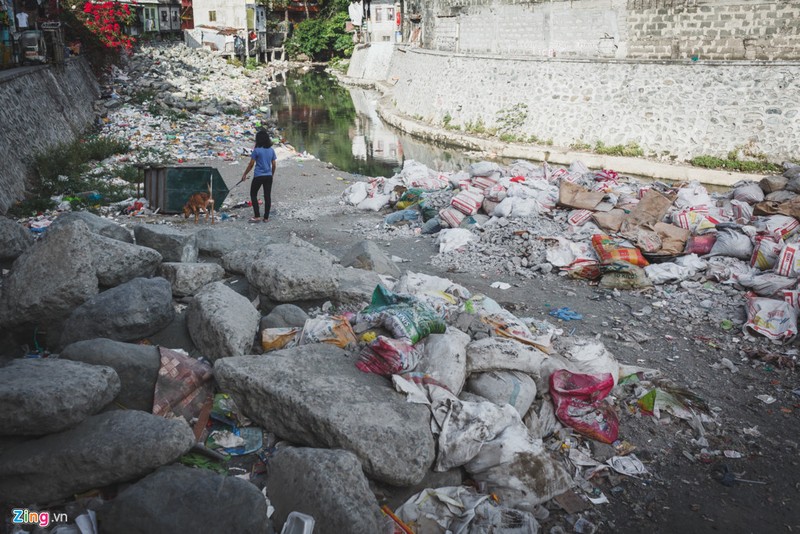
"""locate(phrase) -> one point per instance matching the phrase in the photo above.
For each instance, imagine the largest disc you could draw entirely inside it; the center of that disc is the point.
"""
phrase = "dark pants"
(258, 182)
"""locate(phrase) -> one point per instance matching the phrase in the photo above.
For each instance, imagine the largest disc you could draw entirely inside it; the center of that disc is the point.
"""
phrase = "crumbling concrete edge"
(559, 155)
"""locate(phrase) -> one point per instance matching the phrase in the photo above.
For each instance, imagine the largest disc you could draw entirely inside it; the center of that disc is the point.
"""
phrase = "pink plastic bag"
(578, 400)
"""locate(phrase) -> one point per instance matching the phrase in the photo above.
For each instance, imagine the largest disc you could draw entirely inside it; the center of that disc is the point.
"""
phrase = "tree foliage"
(324, 37)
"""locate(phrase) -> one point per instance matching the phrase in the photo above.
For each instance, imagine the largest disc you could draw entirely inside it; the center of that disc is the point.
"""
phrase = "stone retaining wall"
(40, 107)
(671, 109)
(634, 29)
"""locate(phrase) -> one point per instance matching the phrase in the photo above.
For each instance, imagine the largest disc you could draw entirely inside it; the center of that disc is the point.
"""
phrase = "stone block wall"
(670, 109)
(632, 29)
(40, 107)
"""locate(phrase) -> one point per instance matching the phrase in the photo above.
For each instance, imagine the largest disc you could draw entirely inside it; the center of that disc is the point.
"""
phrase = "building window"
(378, 14)
(386, 38)
(212, 16)
(389, 14)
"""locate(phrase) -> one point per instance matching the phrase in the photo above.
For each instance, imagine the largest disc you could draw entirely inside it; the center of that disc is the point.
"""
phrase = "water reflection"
(340, 125)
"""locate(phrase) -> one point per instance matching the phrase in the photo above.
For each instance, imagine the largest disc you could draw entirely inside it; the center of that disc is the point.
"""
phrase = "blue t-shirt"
(264, 158)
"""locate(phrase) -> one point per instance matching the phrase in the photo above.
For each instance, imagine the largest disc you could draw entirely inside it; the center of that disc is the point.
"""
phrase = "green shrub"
(632, 150)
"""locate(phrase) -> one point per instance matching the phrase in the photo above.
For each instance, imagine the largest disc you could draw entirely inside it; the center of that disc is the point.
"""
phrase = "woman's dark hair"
(263, 140)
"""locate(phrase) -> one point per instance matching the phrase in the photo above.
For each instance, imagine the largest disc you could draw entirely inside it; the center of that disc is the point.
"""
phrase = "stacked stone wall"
(622, 29)
(40, 108)
(670, 109)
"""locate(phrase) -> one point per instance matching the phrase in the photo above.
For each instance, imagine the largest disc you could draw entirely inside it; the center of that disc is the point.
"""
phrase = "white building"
(220, 13)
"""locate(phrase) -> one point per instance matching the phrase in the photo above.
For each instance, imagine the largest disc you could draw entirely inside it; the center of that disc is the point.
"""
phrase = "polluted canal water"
(340, 125)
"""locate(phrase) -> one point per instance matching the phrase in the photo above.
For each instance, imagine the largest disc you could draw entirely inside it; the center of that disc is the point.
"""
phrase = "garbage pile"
(392, 379)
(613, 231)
(180, 104)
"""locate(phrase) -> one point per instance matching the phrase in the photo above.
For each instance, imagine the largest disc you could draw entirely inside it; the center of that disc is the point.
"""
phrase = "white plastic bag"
(775, 319)
(692, 196)
(750, 193)
(376, 203)
(662, 273)
(445, 358)
(452, 239)
(504, 387)
(355, 194)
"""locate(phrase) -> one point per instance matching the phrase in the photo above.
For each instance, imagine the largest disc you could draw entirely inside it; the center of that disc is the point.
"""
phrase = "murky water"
(339, 125)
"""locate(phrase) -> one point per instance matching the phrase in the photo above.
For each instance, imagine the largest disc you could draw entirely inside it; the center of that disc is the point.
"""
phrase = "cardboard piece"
(610, 221)
(650, 210)
(574, 196)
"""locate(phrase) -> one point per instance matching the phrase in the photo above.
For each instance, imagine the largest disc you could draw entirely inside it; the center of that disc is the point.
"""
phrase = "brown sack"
(609, 221)
(574, 196)
(673, 238)
(790, 208)
(650, 210)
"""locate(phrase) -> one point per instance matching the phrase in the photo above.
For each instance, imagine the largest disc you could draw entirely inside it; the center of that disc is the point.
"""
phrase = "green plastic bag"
(403, 315)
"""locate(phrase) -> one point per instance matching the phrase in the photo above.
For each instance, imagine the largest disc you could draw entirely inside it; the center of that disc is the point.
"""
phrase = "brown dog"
(199, 202)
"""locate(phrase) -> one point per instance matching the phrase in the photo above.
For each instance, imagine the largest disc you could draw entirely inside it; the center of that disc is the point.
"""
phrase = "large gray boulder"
(97, 225)
(42, 396)
(222, 240)
(369, 256)
(354, 286)
(173, 244)
(222, 322)
(285, 316)
(333, 490)
(50, 279)
(239, 261)
(314, 395)
(187, 278)
(128, 312)
(136, 365)
(176, 499)
(118, 262)
(289, 273)
(14, 239)
(107, 448)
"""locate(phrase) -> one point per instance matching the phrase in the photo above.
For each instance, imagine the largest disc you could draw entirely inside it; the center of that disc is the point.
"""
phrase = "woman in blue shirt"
(263, 157)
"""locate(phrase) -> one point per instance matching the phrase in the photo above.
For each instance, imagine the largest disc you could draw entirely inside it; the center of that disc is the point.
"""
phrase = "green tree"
(323, 38)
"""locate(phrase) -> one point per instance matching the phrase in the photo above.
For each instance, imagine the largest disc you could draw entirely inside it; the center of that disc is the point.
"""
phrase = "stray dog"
(199, 202)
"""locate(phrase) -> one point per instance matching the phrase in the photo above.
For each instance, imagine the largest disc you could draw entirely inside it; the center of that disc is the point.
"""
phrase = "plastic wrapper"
(409, 198)
(609, 250)
(578, 400)
(579, 217)
(774, 319)
(386, 356)
(334, 330)
(583, 270)
(689, 218)
(279, 338)
(780, 226)
(451, 217)
(403, 315)
(788, 263)
(765, 253)
(467, 202)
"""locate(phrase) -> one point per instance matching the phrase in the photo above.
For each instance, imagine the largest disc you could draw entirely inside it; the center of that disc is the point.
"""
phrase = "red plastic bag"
(386, 356)
(578, 400)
